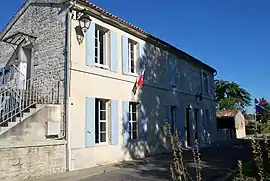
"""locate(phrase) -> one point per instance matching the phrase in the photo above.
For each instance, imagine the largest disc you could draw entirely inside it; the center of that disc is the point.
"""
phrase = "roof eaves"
(106, 13)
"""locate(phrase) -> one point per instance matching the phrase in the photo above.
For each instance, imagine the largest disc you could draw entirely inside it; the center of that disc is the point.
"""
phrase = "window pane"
(96, 33)
(134, 116)
(96, 123)
(129, 116)
(134, 107)
(132, 46)
(96, 55)
(129, 135)
(102, 126)
(97, 132)
(132, 67)
(101, 42)
(102, 105)
(102, 137)
(102, 115)
(132, 55)
(134, 126)
(129, 126)
(134, 135)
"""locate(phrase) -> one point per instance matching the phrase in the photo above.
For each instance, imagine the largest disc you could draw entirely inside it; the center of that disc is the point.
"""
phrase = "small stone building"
(230, 124)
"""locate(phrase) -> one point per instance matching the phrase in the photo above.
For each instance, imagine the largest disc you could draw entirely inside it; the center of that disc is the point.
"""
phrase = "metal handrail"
(23, 97)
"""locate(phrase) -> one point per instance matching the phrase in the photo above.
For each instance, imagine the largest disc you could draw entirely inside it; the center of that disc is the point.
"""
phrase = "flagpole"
(255, 116)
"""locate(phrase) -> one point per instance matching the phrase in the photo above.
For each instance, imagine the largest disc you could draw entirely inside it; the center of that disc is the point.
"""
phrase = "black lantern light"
(84, 20)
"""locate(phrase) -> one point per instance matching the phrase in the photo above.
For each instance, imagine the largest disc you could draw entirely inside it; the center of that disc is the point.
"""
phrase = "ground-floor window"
(101, 120)
(173, 117)
(133, 121)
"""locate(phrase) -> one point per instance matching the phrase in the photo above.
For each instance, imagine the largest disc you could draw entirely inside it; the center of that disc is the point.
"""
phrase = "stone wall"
(46, 22)
(19, 162)
(33, 127)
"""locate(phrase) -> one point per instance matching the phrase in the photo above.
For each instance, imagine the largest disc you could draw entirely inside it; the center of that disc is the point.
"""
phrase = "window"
(101, 36)
(132, 55)
(101, 121)
(173, 117)
(205, 82)
(133, 122)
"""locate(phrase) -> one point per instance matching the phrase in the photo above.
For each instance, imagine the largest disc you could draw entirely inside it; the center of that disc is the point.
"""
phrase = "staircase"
(19, 99)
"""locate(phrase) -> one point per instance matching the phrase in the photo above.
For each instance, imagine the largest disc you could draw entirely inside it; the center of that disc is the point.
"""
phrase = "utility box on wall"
(52, 129)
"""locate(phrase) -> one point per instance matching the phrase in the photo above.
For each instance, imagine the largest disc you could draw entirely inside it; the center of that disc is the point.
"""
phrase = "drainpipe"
(67, 89)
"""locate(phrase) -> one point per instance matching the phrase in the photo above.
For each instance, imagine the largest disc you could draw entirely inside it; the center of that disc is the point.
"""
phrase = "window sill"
(102, 66)
(132, 74)
(101, 144)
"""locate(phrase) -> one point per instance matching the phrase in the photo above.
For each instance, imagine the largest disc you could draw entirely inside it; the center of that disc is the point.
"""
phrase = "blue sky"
(231, 36)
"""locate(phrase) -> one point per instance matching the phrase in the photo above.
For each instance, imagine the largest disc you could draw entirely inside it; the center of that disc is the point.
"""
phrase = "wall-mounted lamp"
(199, 96)
(84, 20)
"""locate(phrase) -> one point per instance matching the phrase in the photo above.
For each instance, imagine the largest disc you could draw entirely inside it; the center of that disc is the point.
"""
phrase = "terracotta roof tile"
(226, 113)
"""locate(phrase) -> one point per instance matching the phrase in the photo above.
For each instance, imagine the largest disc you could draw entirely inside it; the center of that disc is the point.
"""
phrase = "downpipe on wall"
(67, 124)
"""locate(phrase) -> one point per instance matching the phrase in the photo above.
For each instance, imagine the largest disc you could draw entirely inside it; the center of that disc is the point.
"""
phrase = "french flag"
(138, 83)
(259, 104)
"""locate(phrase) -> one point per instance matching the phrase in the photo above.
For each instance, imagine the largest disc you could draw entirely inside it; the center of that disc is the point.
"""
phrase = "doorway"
(196, 115)
(187, 128)
(27, 58)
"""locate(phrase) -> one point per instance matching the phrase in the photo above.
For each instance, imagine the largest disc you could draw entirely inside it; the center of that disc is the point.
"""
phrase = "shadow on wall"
(151, 107)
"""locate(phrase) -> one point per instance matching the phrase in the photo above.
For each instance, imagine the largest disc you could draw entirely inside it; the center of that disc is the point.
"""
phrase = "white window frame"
(130, 121)
(203, 83)
(105, 65)
(102, 121)
(135, 46)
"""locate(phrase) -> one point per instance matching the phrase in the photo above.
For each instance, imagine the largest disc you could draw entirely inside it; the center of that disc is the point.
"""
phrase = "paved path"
(218, 160)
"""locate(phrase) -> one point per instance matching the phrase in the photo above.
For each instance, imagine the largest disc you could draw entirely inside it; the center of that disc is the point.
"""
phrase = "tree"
(264, 116)
(230, 96)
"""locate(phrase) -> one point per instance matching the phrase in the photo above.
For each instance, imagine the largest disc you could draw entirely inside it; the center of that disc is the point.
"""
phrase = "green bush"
(262, 128)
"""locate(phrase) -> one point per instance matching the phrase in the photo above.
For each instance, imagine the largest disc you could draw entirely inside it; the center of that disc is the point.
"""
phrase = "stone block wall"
(47, 22)
(19, 162)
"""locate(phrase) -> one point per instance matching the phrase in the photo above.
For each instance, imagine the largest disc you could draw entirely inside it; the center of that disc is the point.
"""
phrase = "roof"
(106, 13)
(227, 113)
(109, 15)
(250, 117)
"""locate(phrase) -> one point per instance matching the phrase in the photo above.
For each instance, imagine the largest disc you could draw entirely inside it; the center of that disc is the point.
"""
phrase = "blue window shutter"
(114, 122)
(202, 82)
(174, 72)
(142, 56)
(114, 51)
(90, 45)
(169, 72)
(89, 122)
(144, 121)
(125, 109)
(209, 88)
(125, 54)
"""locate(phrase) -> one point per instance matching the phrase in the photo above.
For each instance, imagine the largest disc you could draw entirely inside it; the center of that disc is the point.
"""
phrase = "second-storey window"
(133, 122)
(205, 82)
(101, 121)
(101, 36)
(132, 54)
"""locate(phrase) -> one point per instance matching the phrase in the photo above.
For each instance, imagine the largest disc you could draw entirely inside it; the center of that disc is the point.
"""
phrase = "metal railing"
(19, 98)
